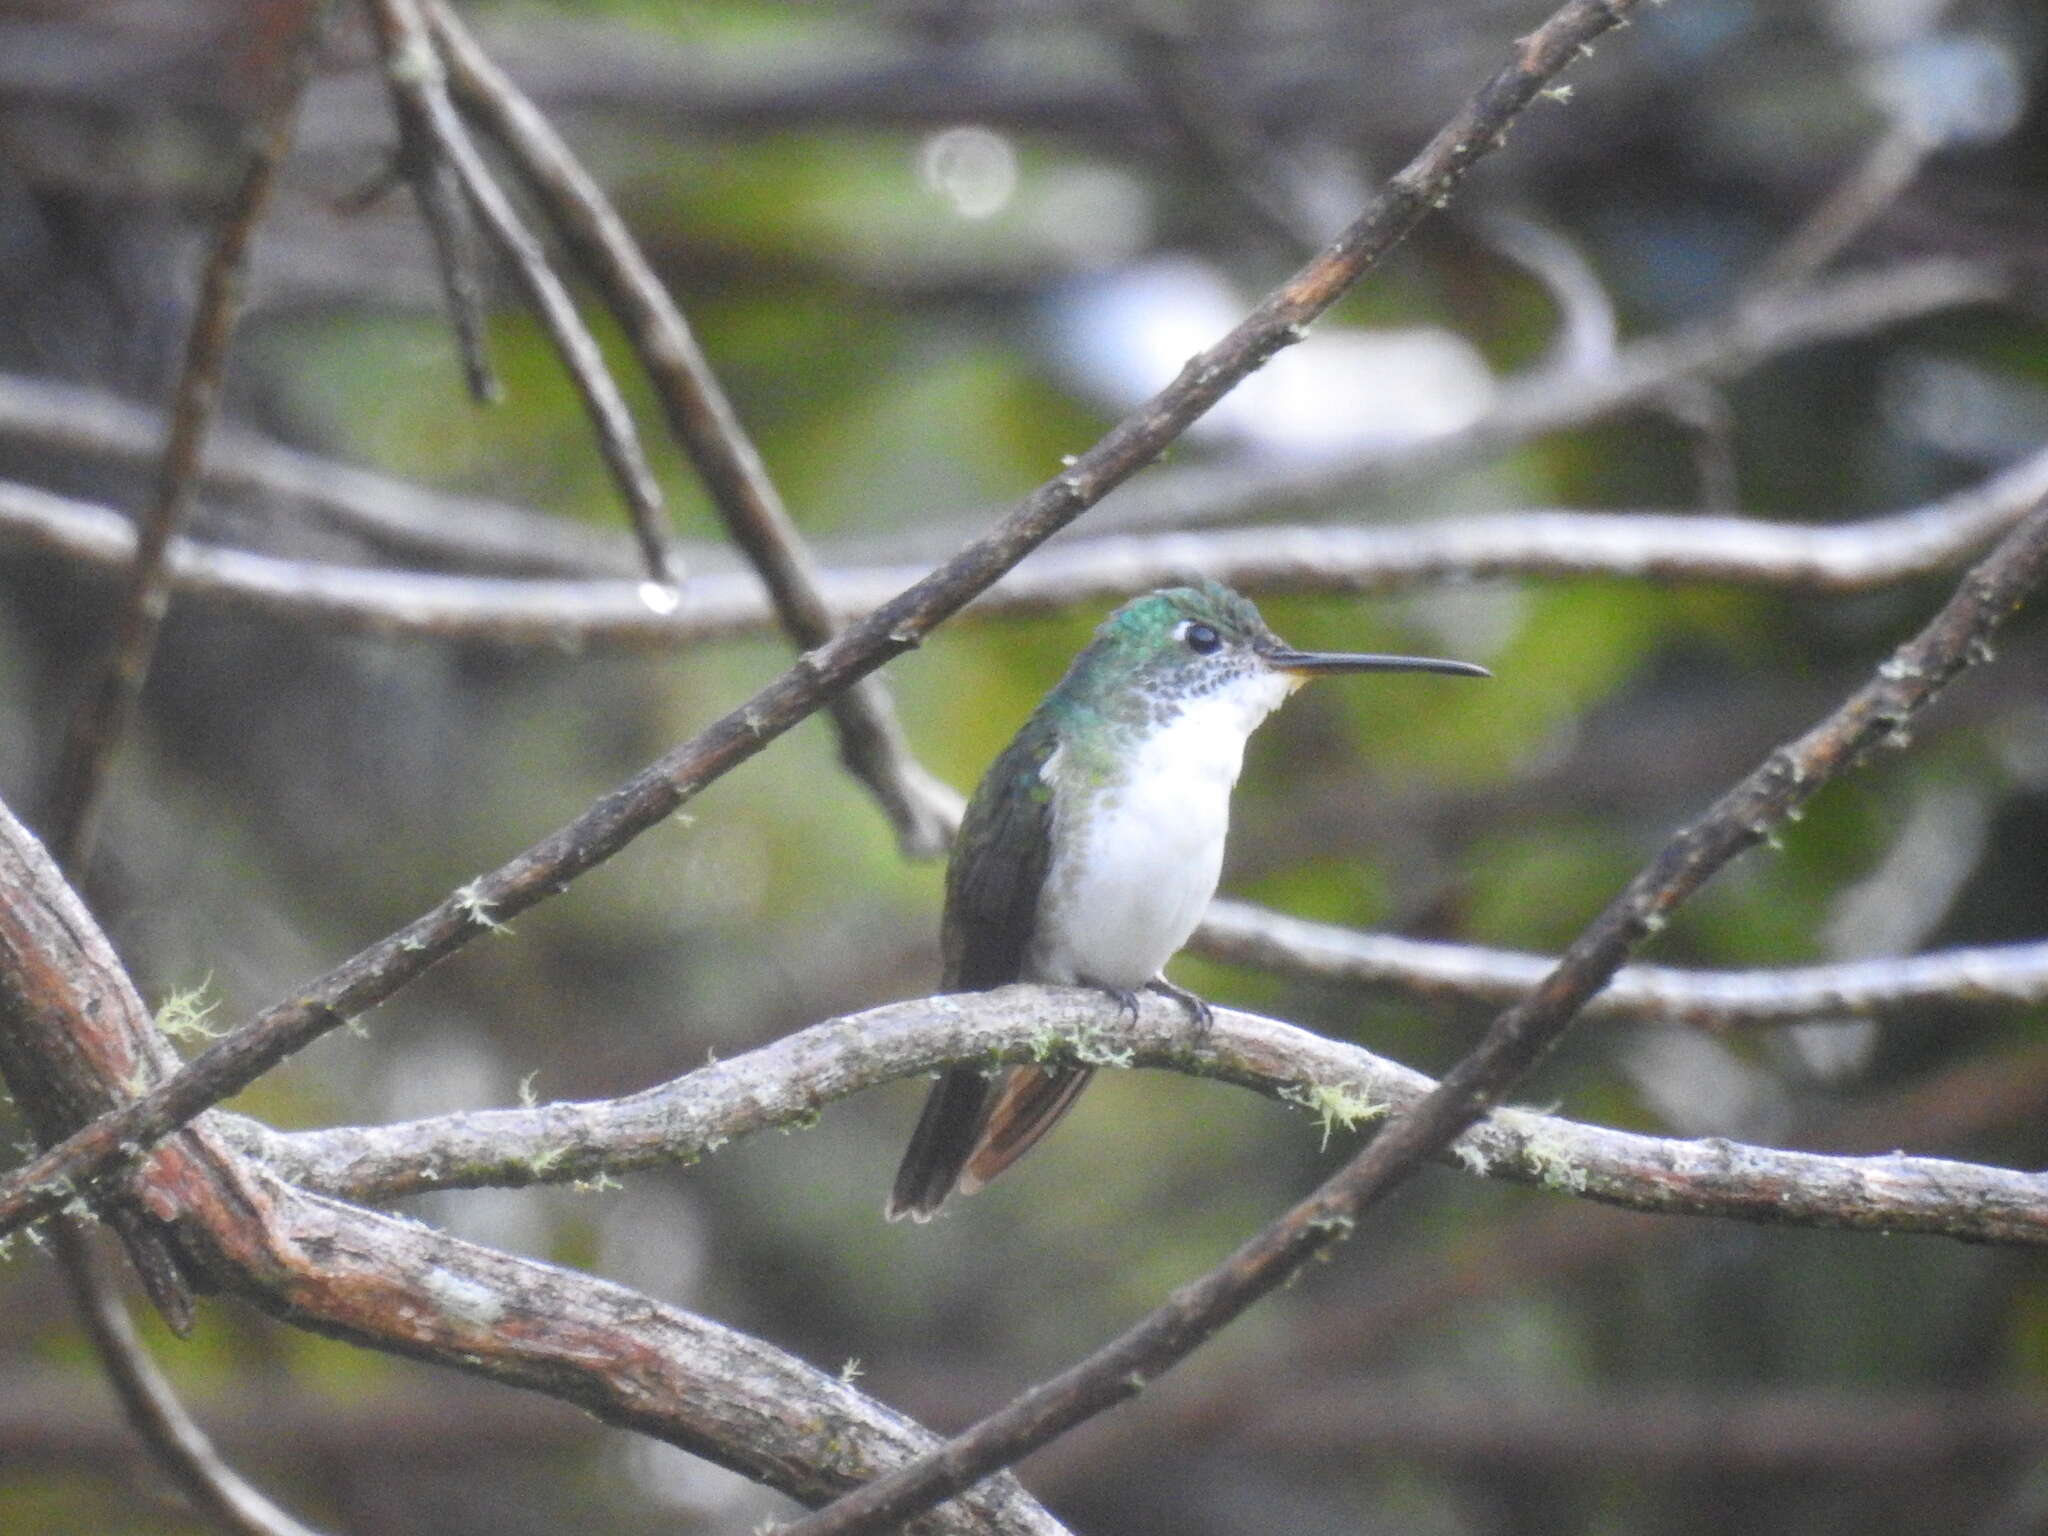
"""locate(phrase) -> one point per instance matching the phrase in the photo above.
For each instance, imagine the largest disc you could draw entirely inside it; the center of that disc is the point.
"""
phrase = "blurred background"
(932, 246)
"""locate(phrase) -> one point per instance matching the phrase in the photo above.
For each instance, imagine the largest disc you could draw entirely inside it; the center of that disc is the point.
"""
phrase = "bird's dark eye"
(1202, 639)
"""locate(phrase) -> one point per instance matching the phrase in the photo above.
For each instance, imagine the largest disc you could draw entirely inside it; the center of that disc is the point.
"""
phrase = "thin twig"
(1847, 557)
(1958, 637)
(2011, 975)
(871, 739)
(1547, 400)
(450, 232)
(1225, 145)
(395, 515)
(451, 235)
(1850, 208)
(159, 1420)
(417, 81)
(216, 1491)
(785, 1082)
(103, 717)
(1589, 332)
(902, 623)
(472, 532)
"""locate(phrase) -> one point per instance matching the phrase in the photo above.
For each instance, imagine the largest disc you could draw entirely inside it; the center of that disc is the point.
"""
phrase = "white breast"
(1130, 878)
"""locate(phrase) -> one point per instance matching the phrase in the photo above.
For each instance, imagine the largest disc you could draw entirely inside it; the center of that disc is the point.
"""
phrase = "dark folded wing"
(992, 886)
(998, 867)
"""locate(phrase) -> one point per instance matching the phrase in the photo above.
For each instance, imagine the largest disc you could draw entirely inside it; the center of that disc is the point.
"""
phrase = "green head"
(1159, 651)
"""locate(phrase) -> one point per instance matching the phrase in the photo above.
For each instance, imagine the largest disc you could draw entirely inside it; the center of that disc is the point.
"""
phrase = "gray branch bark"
(1846, 557)
(1345, 1086)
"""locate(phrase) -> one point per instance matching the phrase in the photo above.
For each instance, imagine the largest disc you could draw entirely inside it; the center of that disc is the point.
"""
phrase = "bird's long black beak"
(1319, 663)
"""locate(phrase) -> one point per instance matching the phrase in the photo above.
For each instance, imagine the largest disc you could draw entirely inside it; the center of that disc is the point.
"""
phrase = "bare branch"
(74, 1041)
(871, 740)
(785, 1082)
(399, 1287)
(214, 1488)
(451, 232)
(395, 514)
(1555, 397)
(550, 866)
(1875, 183)
(2006, 974)
(1957, 638)
(1846, 557)
(621, 1356)
(1224, 145)
(103, 717)
(1551, 399)
(419, 87)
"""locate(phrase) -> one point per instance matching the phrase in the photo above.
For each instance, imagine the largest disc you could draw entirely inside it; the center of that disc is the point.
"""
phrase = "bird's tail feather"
(1031, 1103)
(946, 1135)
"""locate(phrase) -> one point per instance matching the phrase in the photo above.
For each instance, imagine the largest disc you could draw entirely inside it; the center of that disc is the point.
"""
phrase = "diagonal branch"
(1887, 168)
(898, 625)
(55, 1085)
(871, 740)
(1554, 398)
(215, 1489)
(451, 234)
(1958, 637)
(102, 720)
(396, 1286)
(419, 91)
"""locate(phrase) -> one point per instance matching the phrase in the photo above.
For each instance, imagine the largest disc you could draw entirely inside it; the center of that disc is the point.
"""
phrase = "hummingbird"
(1093, 844)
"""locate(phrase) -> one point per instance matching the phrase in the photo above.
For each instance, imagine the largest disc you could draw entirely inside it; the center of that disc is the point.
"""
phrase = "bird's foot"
(1126, 1004)
(1198, 1008)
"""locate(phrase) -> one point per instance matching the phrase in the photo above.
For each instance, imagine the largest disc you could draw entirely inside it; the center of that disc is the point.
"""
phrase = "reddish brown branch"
(75, 1041)
(400, 1287)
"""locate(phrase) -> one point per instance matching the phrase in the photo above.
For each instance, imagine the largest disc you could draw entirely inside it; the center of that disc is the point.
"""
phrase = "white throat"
(1135, 863)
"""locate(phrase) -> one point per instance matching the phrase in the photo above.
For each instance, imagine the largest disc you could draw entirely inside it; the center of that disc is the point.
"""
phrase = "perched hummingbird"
(1093, 844)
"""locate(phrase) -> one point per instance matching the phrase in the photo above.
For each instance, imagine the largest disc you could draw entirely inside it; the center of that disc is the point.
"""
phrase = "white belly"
(1131, 876)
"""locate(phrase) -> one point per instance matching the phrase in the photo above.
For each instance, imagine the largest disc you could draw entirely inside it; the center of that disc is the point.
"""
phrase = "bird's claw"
(1198, 1007)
